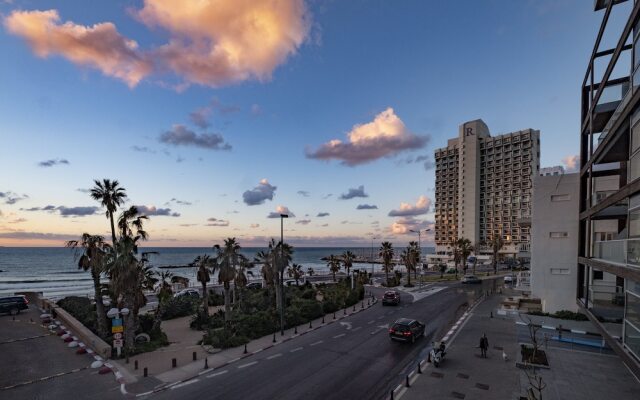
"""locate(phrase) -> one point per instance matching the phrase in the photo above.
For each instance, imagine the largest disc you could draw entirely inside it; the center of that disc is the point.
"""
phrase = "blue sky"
(435, 64)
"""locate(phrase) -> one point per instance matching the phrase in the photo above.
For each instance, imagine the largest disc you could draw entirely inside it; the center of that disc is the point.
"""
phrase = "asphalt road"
(353, 359)
(37, 365)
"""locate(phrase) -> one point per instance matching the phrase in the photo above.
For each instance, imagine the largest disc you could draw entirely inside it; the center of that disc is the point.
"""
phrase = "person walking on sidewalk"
(484, 345)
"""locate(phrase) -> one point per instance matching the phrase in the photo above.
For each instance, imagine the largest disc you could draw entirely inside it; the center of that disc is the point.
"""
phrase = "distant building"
(552, 171)
(483, 187)
(554, 241)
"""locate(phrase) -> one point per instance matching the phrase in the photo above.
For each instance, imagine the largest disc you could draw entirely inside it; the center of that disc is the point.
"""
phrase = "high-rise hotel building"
(483, 187)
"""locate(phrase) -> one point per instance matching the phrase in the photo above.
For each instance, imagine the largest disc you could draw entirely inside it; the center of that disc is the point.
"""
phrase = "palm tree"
(455, 250)
(465, 249)
(131, 219)
(228, 258)
(347, 260)
(282, 255)
(268, 270)
(91, 250)
(110, 195)
(406, 259)
(414, 253)
(164, 294)
(241, 280)
(495, 242)
(295, 271)
(387, 253)
(204, 263)
(310, 271)
(334, 265)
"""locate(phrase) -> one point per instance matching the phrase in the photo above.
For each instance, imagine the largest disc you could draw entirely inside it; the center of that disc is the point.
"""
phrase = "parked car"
(290, 282)
(510, 279)
(406, 330)
(189, 293)
(451, 271)
(13, 304)
(254, 285)
(391, 297)
(471, 279)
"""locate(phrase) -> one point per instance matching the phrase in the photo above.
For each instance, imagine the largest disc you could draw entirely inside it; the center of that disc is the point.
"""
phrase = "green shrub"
(180, 306)
(254, 325)
(223, 338)
(215, 298)
(82, 309)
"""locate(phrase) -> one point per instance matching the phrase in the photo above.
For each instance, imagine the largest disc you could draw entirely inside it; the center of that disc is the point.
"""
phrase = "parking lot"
(35, 364)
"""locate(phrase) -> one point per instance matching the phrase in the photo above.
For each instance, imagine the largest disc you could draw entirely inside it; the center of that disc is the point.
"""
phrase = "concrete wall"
(554, 260)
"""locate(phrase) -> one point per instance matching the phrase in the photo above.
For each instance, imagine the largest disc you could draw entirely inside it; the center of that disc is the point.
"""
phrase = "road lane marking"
(380, 317)
(247, 364)
(216, 374)
(315, 343)
(371, 322)
(234, 360)
(356, 328)
(390, 312)
(184, 383)
(339, 336)
(296, 349)
(275, 356)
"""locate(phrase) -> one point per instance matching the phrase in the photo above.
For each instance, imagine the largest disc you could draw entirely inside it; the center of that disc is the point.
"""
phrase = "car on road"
(254, 285)
(391, 297)
(510, 279)
(188, 293)
(13, 304)
(406, 330)
(471, 279)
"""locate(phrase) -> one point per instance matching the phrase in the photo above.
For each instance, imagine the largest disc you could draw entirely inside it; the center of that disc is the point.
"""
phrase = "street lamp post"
(372, 239)
(282, 302)
(419, 232)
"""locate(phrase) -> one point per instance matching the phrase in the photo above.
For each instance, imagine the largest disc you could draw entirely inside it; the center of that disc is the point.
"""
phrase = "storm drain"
(437, 374)
(458, 395)
(462, 376)
(482, 386)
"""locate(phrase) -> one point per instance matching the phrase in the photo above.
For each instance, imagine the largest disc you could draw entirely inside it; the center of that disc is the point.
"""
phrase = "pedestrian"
(484, 345)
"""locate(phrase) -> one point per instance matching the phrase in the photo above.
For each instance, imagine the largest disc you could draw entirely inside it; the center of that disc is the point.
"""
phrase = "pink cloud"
(572, 163)
(406, 209)
(385, 136)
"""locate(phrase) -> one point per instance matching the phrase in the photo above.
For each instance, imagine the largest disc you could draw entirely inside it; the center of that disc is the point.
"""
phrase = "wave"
(18, 280)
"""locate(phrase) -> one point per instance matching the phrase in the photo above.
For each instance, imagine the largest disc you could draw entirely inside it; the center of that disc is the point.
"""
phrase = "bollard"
(295, 330)
(429, 357)
(354, 308)
(310, 325)
(391, 394)
(126, 360)
(407, 381)
(206, 363)
(362, 305)
(419, 368)
(174, 363)
(195, 356)
(145, 373)
(368, 302)
(491, 314)
(245, 349)
(274, 337)
(344, 312)
(323, 319)
(135, 364)
(334, 315)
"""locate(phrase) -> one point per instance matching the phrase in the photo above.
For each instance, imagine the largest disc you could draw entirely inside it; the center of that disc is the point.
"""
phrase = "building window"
(598, 275)
(560, 197)
(558, 235)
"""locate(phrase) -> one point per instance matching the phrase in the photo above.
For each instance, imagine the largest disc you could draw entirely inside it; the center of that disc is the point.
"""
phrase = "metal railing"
(625, 251)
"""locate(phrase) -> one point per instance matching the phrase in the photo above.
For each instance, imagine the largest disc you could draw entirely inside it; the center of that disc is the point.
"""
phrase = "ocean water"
(54, 271)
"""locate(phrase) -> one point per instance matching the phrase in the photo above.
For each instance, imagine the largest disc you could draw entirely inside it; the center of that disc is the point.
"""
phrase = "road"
(37, 365)
(339, 361)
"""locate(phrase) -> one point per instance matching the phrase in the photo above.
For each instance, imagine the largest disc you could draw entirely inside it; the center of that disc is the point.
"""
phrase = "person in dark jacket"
(484, 345)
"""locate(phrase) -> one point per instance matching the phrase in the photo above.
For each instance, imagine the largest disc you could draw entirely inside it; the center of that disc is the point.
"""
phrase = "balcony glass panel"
(610, 250)
(632, 339)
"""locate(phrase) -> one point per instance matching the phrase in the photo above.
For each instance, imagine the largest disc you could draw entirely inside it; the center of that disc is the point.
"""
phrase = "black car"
(471, 279)
(13, 304)
(391, 297)
(254, 285)
(406, 330)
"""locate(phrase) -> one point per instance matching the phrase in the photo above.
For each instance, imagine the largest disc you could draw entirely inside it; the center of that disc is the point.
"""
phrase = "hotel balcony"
(623, 252)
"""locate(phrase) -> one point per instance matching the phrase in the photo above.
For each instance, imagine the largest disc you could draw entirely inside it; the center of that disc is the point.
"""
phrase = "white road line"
(216, 374)
(390, 312)
(296, 349)
(356, 328)
(339, 336)
(247, 364)
(234, 360)
(184, 383)
(370, 322)
(315, 343)
(275, 356)
(380, 317)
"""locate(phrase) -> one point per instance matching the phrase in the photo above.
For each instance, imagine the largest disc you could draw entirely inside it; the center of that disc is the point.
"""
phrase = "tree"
(131, 219)
(414, 257)
(456, 255)
(228, 258)
(405, 257)
(495, 243)
(334, 265)
(90, 253)
(295, 271)
(282, 256)
(347, 260)
(269, 271)
(310, 271)
(465, 249)
(241, 280)
(387, 253)
(204, 263)
(110, 195)
(165, 293)
(442, 267)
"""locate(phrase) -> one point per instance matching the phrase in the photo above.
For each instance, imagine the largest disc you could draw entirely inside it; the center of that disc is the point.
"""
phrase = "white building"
(555, 170)
(554, 241)
(483, 187)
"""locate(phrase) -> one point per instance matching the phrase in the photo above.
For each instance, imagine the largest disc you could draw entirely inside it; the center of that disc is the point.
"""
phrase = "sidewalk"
(465, 375)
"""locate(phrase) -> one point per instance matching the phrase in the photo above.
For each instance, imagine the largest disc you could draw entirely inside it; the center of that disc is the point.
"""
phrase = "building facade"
(555, 170)
(483, 187)
(554, 241)
(608, 281)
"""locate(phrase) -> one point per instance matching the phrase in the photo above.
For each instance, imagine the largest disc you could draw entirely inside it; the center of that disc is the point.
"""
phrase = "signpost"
(117, 328)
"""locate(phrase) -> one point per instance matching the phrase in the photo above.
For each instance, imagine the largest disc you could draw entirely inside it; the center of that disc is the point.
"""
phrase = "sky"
(217, 115)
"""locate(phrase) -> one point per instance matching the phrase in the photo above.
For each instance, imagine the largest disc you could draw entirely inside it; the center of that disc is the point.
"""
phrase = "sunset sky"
(216, 114)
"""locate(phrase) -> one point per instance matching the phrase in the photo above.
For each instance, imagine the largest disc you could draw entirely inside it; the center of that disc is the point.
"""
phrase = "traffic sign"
(116, 322)
(117, 329)
(117, 343)
(117, 335)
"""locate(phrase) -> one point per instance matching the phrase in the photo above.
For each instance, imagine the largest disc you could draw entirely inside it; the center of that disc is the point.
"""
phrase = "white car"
(188, 292)
(509, 279)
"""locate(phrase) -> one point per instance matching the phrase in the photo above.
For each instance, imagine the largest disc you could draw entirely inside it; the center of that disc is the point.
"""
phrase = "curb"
(413, 375)
(195, 378)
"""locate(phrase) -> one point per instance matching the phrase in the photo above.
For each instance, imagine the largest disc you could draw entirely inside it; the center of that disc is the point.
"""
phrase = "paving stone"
(458, 395)
(462, 376)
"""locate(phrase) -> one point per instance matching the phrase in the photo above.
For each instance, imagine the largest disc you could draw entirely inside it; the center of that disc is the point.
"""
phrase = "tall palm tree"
(406, 259)
(242, 271)
(268, 271)
(465, 249)
(90, 252)
(310, 271)
(347, 260)
(110, 195)
(456, 255)
(414, 253)
(295, 271)
(282, 257)
(204, 263)
(228, 258)
(131, 219)
(387, 253)
(164, 295)
(495, 242)
(334, 265)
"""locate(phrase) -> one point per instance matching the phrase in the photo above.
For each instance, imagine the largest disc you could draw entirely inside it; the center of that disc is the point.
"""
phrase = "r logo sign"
(468, 132)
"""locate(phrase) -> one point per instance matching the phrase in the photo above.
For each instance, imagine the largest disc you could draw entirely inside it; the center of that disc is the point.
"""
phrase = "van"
(13, 304)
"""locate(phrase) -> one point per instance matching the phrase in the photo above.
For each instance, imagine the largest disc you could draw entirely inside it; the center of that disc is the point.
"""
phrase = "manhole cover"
(463, 376)
(498, 347)
(458, 395)
(482, 386)
(437, 374)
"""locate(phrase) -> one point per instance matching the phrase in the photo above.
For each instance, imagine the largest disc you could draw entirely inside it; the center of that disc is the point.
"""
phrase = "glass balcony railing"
(610, 95)
(626, 251)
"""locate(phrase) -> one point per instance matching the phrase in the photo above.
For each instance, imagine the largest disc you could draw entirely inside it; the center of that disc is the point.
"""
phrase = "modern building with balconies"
(483, 188)
(608, 289)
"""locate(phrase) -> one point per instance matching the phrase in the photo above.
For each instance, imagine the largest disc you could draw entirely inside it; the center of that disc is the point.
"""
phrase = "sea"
(54, 271)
